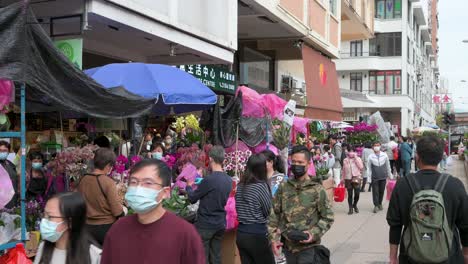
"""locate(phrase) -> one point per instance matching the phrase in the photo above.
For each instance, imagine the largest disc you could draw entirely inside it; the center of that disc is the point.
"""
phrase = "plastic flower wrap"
(236, 159)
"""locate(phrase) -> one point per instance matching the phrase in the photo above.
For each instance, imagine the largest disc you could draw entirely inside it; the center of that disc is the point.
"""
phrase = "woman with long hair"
(64, 234)
(352, 175)
(275, 170)
(253, 205)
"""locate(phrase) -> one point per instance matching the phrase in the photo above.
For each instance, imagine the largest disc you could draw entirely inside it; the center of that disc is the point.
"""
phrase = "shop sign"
(441, 98)
(214, 77)
(72, 49)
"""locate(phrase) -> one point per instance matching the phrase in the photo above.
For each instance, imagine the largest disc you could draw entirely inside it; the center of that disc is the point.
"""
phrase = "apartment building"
(287, 46)
(395, 72)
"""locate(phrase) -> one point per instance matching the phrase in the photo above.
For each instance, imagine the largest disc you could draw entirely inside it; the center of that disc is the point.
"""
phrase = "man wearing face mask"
(378, 169)
(100, 194)
(11, 169)
(213, 193)
(301, 213)
(152, 235)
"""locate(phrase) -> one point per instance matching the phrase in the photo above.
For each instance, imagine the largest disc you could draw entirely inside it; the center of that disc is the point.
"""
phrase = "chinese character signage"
(214, 77)
(72, 49)
(441, 99)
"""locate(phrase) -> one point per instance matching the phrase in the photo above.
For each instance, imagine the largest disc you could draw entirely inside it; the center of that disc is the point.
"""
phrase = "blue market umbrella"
(171, 87)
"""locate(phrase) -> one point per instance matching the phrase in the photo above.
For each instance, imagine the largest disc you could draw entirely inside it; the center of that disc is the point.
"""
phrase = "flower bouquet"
(321, 168)
(72, 162)
(189, 129)
(179, 205)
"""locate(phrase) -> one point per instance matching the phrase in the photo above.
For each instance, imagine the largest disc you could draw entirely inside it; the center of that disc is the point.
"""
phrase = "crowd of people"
(282, 216)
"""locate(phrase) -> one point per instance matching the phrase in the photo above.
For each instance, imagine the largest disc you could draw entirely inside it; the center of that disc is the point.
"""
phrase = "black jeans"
(304, 257)
(98, 232)
(378, 189)
(357, 191)
(212, 240)
(392, 166)
(254, 249)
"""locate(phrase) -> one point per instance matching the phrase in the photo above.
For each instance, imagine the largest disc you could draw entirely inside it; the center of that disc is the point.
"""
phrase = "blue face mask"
(36, 165)
(141, 199)
(49, 230)
(157, 155)
(3, 155)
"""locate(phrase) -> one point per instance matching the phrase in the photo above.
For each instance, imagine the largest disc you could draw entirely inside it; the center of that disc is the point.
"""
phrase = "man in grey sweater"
(336, 151)
(378, 169)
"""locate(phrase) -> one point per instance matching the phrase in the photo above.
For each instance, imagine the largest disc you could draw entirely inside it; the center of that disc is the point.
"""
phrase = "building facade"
(395, 72)
(286, 46)
(157, 31)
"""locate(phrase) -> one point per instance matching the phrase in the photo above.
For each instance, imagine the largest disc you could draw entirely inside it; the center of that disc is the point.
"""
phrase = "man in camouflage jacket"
(300, 204)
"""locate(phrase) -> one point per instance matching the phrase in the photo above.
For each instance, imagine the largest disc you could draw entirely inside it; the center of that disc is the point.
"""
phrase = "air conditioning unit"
(286, 84)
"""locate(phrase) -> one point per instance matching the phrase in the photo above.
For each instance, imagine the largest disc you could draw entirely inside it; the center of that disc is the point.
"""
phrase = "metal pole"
(450, 140)
(23, 162)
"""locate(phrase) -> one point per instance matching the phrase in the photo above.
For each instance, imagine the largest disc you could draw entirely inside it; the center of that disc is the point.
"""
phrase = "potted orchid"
(361, 133)
(236, 161)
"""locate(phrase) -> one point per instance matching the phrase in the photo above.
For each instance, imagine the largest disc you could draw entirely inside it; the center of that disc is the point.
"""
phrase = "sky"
(453, 54)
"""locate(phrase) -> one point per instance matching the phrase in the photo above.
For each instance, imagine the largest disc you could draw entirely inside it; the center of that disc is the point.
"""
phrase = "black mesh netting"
(224, 120)
(27, 55)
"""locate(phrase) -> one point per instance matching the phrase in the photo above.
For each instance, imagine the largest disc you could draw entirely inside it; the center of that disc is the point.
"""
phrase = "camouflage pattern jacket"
(302, 206)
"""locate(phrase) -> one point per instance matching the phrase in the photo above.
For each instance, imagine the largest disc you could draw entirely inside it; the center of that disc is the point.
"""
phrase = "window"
(386, 45)
(408, 50)
(333, 7)
(408, 78)
(388, 9)
(409, 14)
(356, 48)
(356, 81)
(385, 82)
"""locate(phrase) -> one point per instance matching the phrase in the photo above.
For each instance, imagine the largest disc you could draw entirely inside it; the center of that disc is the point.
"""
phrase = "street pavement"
(363, 238)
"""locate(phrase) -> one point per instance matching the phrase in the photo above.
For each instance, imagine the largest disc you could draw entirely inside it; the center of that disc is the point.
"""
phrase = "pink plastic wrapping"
(262, 147)
(189, 173)
(6, 188)
(300, 124)
(254, 104)
(241, 146)
(390, 186)
(6, 89)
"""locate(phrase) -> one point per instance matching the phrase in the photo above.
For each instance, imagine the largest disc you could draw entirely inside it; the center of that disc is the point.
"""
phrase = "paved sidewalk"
(363, 238)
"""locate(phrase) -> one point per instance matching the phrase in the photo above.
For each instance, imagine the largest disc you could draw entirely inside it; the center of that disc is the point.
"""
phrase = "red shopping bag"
(390, 187)
(339, 193)
(15, 255)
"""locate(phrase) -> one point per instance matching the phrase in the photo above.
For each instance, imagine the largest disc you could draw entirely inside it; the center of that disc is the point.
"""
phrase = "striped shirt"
(253, 203)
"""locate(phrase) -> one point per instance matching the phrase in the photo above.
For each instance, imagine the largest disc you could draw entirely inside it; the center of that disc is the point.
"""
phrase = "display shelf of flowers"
(361, 133)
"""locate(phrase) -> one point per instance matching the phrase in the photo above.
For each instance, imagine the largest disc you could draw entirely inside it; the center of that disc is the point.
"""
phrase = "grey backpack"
(428, 237)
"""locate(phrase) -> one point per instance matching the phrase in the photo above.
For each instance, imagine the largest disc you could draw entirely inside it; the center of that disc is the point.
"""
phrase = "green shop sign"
(217, 78)
(72, 49)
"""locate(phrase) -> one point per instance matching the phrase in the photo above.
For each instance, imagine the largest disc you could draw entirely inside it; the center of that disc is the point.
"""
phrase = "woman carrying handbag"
(352, 175)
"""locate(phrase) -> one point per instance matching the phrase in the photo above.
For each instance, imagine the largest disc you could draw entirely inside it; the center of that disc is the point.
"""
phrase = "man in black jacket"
(213, 193)
(429, 154)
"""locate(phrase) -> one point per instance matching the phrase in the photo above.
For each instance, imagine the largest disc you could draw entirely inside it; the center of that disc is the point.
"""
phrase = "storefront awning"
(323, 94)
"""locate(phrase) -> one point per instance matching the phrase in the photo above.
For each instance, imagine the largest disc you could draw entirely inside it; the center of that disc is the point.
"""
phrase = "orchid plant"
(236, 160)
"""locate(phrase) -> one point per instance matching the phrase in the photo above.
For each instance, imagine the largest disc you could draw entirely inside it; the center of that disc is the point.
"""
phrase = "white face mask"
(377, 148)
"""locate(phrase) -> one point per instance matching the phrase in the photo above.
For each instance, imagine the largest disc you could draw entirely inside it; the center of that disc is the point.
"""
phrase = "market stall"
(47, 82)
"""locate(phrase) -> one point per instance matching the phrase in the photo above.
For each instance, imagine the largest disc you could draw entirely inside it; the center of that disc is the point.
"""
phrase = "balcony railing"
(356, 55)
